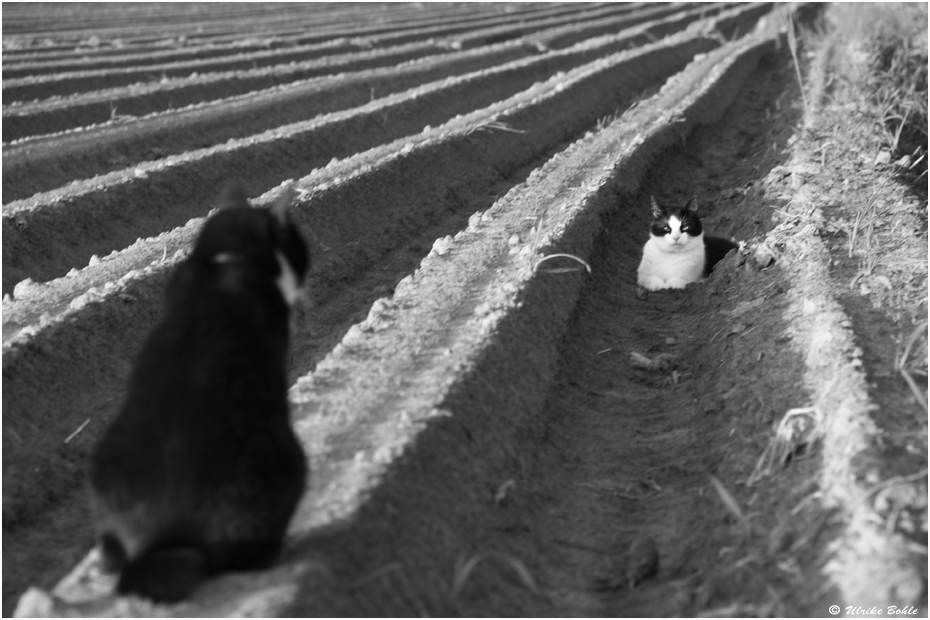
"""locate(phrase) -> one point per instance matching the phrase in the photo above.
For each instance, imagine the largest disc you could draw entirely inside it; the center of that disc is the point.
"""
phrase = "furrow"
(398, 36)
(114, 108)
(183, 63)
(233, 22)
(29, 89)
(20, 121)
(73, 20)
(466, 355)
(43, 87)
(360, 210)
(294, 31)
(624, 20)
(109, 212)
(91, 44)
(120, 105)
(30, 166)
(335, 42)
(472, 338)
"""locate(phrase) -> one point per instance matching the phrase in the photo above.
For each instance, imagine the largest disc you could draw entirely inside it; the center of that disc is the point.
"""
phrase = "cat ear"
(657, 211)
(282, 203)
(233, 195)
(692, 205)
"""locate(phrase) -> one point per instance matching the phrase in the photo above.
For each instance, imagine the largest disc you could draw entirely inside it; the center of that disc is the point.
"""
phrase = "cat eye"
(667, 229)
(685, 228)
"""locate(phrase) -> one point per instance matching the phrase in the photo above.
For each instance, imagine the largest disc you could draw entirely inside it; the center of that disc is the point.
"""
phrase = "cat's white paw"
(652, 283)
(677, 283)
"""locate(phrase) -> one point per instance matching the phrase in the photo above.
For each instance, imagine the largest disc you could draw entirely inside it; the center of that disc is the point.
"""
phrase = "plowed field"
(468, 371)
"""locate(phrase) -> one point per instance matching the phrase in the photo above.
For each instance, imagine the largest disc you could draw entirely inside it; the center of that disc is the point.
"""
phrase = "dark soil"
(32, 167)
(476, 169)
(620, 454)
(629, 450)
(484, 437)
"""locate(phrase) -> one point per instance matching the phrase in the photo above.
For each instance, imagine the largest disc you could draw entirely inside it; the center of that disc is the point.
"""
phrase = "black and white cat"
(678, 252)
(200, 472)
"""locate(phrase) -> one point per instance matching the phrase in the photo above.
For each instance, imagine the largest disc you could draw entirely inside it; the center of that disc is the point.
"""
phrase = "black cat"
(200, 472)
(678, 252)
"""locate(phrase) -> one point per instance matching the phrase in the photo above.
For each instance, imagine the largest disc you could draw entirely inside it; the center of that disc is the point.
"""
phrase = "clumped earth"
(490, 435)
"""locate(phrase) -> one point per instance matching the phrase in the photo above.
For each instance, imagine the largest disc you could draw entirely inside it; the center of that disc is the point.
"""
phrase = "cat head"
(676, 229)
(239, 235)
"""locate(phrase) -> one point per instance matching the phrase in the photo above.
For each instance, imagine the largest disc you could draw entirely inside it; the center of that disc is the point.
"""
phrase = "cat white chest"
(667, 266)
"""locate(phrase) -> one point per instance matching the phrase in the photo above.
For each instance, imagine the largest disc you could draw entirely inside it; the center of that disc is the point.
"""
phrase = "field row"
(437, 165)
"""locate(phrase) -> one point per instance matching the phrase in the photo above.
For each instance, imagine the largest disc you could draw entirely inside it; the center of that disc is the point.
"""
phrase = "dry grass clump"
(904, 367)
(798, 429)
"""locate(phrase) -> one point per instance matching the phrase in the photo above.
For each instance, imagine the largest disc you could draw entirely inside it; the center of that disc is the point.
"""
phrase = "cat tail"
(164, 574)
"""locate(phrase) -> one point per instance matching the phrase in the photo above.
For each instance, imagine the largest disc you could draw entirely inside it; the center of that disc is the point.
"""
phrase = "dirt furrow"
(398, 36)
(335, 42)
(627, 451)
(31, 166)
(141, 69)
(472, 159)
(497, 422)
(20, 121)
(483, 285)
(480, 138)
(46, 86)
(204, 27)
(608, 23)
(875, 451)
(193, 97)
(110, 212)
(482, 448)
(34, 20)
(29, 89)
(272, 33)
